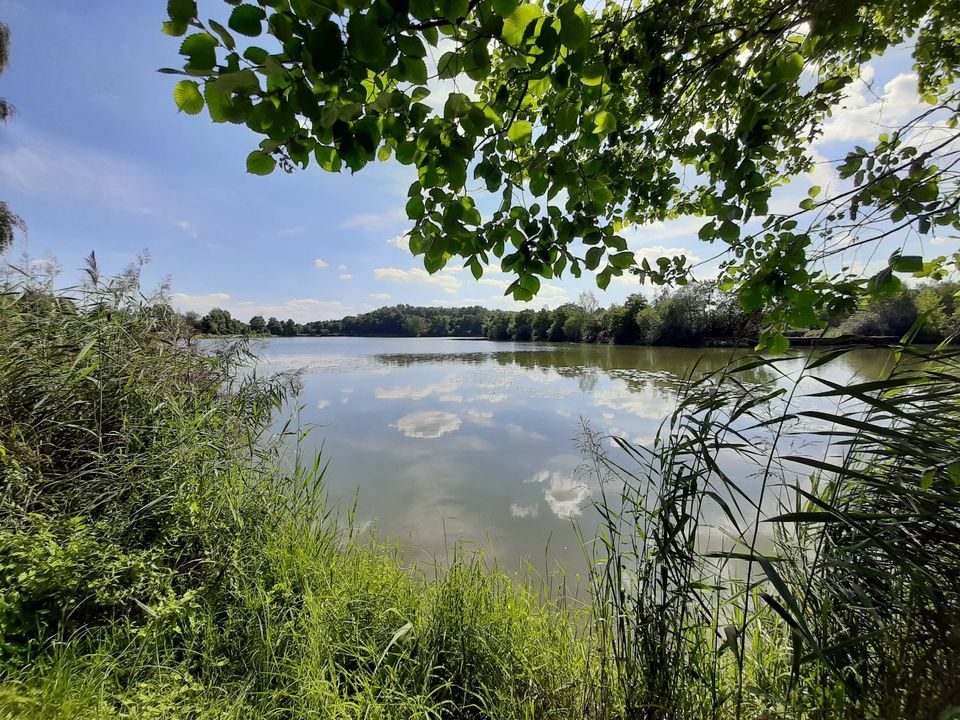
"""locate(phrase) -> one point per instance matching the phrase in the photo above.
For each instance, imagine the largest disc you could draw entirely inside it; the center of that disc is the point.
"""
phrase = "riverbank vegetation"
(694, 315)
(161, 557)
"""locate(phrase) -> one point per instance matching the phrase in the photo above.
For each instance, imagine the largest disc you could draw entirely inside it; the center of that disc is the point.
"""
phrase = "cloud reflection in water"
(428, 424)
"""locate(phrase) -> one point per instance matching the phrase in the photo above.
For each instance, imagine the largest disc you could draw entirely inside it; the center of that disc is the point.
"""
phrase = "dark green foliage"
(219, 322)
(406, 320)
(257, 324)
(10, 222)
(695, 315)
(582, 121)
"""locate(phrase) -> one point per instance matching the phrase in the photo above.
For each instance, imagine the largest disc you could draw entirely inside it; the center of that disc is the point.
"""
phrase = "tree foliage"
(579, 123)
(10, 222)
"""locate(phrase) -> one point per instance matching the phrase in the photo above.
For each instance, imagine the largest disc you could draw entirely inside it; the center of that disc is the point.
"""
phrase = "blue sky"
(98, 158)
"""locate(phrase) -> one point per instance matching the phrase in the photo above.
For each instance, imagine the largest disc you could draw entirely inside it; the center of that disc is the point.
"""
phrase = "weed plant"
(735, 578)
(157, 561)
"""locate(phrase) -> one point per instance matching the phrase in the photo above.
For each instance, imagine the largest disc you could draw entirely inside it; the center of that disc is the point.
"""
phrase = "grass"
(157, 560)
(833, 592)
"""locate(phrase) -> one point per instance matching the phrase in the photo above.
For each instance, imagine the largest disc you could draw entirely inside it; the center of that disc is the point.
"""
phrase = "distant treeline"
(693, 315)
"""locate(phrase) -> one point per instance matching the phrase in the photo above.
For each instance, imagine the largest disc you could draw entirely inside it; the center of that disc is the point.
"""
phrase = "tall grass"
(156, 560)
(736, 578)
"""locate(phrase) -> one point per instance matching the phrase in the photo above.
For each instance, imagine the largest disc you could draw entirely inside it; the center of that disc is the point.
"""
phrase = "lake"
(449, 439)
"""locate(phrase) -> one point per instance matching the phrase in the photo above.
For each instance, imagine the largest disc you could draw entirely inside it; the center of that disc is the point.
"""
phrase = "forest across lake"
(695, 315)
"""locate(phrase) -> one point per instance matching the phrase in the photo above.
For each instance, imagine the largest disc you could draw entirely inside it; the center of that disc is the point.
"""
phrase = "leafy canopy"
(571, 125)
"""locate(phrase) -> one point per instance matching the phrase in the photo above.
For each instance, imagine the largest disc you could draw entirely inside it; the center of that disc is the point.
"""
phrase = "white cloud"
(525, 511)
(428, 424)
(400, 241)
(415, 393)
(321, 263)
(641, 404)
(502, 284)
(342, 267)
(564, 495)
(521, 432)
(447, 282)
(367, 221)
(490, 397)
(321, 404)
(484, 419)
(379, 296)
(187, 228)
(346, 276)
(658, 251)
(299, 309)
(863, 120)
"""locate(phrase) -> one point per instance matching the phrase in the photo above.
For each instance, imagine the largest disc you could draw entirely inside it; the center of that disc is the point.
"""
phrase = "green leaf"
(530, 283)
(365, 41)
(415, 209)
(434, 262)
(751, 298)
(260, 163)
(182, 11)
(448, 66)
(247, 20)
(729, 232)
(219, 104)
(457, 104)
(516, 23)
(225, 37)
(574, 25)
(200, 50)
(325, 43)
(453, 10)
(603, 278)
(243, 81)
(622, 260)
(412, 70)
(411, 46)
(906, 263)
(328, 158)
(604, 123)
(592, 75)
(256, 55)
(884, 282)
(176, 29)
(504, 8)
(593, 257)
(186, 94)
(520, 132)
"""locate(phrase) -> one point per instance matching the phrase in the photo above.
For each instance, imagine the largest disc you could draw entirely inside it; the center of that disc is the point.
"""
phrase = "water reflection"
(565, 495)
(428, 424)
(449, 438)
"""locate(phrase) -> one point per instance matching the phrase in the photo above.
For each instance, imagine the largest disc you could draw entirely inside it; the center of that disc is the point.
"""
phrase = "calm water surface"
(448, 439)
